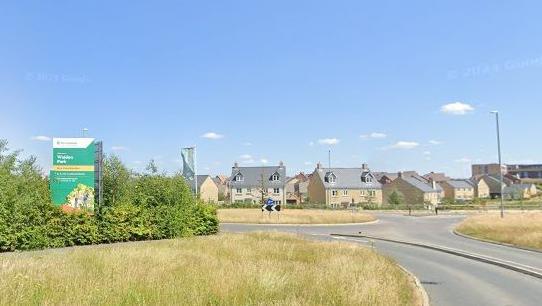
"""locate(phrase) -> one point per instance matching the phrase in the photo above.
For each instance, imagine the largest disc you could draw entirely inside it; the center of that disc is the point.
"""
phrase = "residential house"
(436, 176)
(388, 177)
(520, 191)
(221, 182)
(414, 189)
(481, 188)
(251, 184)
(296, 189)
(344, 186)
(207, 189)
(494, 185)
(458, 190)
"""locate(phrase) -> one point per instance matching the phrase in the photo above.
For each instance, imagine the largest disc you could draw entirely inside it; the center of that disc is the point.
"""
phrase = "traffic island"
(292, 216)
(518, 229)
(226, 269)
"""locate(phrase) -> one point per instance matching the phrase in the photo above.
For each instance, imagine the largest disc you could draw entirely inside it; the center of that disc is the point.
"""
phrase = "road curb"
(496, 242)
(301, 224)
(421, 290)
(488, 260)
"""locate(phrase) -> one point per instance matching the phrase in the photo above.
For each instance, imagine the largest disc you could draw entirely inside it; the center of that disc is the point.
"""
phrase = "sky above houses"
(397, 86)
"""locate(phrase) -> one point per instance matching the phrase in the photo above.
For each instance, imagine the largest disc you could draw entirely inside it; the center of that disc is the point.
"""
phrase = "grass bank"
(292, 216)
(521, 229)
(227, 269)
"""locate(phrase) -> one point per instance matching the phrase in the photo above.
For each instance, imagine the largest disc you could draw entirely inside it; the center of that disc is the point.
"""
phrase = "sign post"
(270, 207)
(72, 178)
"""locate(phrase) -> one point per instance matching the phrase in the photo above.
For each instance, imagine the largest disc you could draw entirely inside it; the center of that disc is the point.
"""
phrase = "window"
(330, 178)
(275, 177)
(249, 190)
(345, 192)
(239, 190)
(276, 190)
(366, 178)
(238, 178)
(334, 192)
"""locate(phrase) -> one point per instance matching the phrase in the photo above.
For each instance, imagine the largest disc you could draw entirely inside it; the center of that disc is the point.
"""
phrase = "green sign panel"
(72, 176)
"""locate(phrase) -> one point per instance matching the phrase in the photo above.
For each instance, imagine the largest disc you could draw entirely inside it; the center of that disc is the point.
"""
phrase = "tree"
(395, 198)
(152, 167)
(263, 188)
(116, 181)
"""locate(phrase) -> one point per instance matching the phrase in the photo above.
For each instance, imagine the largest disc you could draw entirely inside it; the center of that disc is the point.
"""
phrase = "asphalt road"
(448, 279)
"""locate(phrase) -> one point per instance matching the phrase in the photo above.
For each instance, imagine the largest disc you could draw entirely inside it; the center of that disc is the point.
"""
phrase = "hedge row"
(136, 207)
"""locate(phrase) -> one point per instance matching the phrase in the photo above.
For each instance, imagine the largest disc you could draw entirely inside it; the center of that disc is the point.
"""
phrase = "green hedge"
(136, 207)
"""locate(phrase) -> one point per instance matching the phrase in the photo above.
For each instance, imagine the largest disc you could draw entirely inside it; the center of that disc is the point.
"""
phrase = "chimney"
(236, 165)
(281, 164)
(365, 167)
(400, 174)
(318, 165)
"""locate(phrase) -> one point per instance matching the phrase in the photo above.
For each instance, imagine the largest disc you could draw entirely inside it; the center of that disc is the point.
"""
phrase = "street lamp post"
(500, 160)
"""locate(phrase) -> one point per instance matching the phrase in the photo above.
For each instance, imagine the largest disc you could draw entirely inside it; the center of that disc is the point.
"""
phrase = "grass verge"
(521, 229)
(228, 269)
(292, 216)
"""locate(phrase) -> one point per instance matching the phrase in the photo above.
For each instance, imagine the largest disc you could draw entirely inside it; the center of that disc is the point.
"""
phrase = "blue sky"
(276, 80)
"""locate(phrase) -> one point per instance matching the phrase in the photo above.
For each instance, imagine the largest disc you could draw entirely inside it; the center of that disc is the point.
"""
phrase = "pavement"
(448, 279)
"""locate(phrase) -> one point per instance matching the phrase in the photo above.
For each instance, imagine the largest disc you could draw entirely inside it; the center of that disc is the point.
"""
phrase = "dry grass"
(292, 216)
(522, 229)
(229, 269)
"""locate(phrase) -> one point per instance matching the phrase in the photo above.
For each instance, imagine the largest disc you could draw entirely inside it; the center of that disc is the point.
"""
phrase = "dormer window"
(366, 178)
(330, 178)
(275, 177)
(238, 178)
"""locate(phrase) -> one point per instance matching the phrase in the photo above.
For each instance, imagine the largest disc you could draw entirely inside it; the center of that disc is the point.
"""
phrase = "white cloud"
(307, 163)
(457, 108)
(137, 162)
(463, 160)
(405, 145)
(119, 148)
(247, 144)
(328, 141)
(311, 143)
(41, 138)
(248, 161)
(435, 142)
(426, 153)
(264, 161)
(246, 156)
(374, 135)
(212, 135)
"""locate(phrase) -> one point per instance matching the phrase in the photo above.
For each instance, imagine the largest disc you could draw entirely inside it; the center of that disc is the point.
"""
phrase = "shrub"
(135, 207)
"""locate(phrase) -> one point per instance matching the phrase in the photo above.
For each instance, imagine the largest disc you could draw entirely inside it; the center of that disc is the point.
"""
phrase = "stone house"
(251, 184)
(414, 189)
(344, 186)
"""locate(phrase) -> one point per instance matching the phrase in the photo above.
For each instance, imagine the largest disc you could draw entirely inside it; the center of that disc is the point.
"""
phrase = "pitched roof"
(436, 176)
(421, 183)
(252, 177)
(460, 184)
(347, 178)
(200, 179)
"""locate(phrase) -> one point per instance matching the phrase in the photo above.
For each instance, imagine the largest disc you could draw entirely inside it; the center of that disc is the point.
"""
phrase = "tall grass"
(229, 269)
(292, 216)
(522, 229)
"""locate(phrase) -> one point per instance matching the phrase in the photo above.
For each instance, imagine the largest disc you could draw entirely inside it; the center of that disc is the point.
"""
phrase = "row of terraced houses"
(358, 185)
